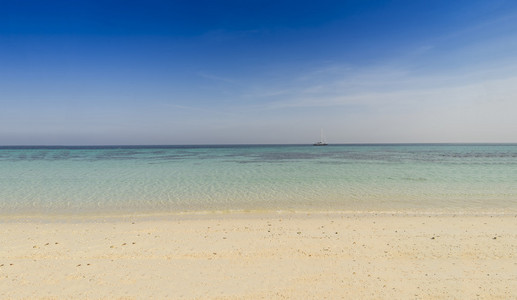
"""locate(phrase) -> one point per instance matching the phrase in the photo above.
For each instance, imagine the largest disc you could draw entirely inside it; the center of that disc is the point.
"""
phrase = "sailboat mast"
(322, 141)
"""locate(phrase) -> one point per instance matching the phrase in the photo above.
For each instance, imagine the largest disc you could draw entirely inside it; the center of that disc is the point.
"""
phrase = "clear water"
(112, 180)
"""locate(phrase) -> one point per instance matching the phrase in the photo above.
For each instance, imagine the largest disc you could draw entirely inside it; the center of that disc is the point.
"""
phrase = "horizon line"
(253, 144)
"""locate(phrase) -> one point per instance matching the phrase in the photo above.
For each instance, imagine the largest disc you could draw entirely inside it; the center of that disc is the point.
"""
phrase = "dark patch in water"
(337, 154)
(335, 162)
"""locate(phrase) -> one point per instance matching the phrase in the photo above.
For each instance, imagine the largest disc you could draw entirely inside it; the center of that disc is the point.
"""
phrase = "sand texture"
(261, 256)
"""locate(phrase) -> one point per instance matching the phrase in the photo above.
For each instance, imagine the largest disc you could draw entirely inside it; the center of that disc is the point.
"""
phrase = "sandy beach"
(261, 256)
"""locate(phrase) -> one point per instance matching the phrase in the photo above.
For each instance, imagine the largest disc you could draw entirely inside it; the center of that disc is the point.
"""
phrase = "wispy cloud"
(393, 87)
(207, 75)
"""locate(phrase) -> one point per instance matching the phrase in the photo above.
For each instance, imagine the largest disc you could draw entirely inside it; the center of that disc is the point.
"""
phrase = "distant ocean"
(172, 179)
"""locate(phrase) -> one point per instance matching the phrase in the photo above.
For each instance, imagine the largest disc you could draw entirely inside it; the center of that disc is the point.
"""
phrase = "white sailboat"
(321, 142)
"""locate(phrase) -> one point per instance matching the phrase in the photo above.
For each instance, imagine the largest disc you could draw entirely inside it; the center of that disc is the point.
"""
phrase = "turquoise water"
(111, 180)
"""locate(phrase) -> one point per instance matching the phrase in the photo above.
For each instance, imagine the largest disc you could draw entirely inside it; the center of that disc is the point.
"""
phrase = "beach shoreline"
(258, 255)
(244, 213)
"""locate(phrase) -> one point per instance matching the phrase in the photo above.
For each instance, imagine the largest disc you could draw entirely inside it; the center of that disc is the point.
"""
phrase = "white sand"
(254, 256)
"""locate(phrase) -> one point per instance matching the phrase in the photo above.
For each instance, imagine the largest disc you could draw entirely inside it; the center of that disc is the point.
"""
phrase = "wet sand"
(261, 256)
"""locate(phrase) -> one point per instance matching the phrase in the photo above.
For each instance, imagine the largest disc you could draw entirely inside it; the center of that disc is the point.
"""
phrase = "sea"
(121, 180)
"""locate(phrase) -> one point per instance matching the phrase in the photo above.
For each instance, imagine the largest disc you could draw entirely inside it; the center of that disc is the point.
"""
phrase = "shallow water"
(112, 180)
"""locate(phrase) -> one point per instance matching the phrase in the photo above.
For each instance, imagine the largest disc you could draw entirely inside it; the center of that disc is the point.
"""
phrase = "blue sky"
(205, 72)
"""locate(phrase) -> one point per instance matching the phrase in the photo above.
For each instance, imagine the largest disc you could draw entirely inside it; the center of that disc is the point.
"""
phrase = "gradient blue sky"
(204, 72)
